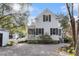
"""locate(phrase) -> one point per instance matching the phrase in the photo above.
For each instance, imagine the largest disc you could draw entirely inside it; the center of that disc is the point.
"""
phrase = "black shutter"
(49, 18)
(42, 31)
(59, 31)
(50, 31)
(1, 39)
(43, 18)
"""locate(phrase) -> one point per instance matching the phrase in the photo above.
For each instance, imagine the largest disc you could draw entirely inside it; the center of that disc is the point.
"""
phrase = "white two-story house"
(46, 23)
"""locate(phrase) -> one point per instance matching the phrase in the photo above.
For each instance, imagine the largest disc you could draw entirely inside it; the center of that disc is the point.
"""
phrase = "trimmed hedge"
(23, 41)
(42, 42)
(44, 39)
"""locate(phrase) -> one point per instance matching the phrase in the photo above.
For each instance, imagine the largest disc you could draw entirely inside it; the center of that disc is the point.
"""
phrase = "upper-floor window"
(46, 18)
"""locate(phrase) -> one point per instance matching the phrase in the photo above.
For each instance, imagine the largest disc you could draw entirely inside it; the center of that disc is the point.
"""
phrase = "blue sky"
(56, 8)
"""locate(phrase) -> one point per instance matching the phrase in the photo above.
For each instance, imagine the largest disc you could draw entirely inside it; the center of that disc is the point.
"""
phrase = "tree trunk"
(72, 21)
(73, 32)
(77, 43)
(77, 46)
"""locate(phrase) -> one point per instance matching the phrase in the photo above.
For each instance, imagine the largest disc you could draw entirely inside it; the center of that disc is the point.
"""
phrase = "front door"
(0, 39)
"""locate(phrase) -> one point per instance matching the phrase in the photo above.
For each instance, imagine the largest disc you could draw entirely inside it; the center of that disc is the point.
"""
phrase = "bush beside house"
(67, 39)
(44, 39)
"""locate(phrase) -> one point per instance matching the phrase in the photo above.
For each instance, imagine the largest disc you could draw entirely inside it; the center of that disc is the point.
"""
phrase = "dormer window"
(46, 18)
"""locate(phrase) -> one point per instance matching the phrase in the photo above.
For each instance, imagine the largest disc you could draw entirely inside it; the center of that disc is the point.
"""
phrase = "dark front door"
(0, 39)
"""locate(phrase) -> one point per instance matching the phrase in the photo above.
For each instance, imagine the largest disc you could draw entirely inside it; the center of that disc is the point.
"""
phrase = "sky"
(57, 8)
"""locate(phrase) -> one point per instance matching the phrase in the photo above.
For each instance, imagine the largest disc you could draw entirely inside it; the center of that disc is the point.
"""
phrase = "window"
(36, 31)
(59, 31)
(39, 31)
(42, 31)
(54, 31)
(31, 31)
(46, 18)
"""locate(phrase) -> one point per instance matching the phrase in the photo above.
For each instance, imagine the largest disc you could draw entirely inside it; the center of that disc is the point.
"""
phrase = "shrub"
(22, 41)
(69, 50)
(44, 39)
(10, 43)
(67, 39)
(33, 41)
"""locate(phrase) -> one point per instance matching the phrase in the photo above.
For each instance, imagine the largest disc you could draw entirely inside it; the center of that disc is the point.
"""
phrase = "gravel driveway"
(31, 50)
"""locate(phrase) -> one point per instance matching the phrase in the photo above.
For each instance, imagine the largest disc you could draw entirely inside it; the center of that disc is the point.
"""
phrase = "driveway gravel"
(31, 50)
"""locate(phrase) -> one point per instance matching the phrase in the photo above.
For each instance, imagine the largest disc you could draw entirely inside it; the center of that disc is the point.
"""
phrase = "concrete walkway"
(31, 50)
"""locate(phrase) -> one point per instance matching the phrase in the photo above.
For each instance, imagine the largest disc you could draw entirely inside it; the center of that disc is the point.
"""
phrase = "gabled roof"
(46, 10)
(1, 29)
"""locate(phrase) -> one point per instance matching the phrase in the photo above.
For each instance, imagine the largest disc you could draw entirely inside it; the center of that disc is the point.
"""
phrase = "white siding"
(5, 37)
(47, 25)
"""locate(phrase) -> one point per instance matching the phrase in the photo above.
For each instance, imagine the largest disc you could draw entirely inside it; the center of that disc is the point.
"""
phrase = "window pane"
(36, 31)
(54, 31)
(42, 31)
(47, 18)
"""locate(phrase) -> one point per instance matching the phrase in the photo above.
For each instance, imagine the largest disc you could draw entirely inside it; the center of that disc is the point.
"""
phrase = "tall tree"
(26, 15)
(19, 17)
(77, 48)
(72, 21)
(65, 24)
(4, 8)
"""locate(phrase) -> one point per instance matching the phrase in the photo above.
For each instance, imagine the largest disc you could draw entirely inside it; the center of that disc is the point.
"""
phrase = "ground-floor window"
(31, 31)
(55, 31)
(59, 31)
(39, 31)
(36, 31)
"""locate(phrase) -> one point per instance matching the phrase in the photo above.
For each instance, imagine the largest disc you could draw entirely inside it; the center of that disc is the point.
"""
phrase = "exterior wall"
(47, 25)
(5, 37)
